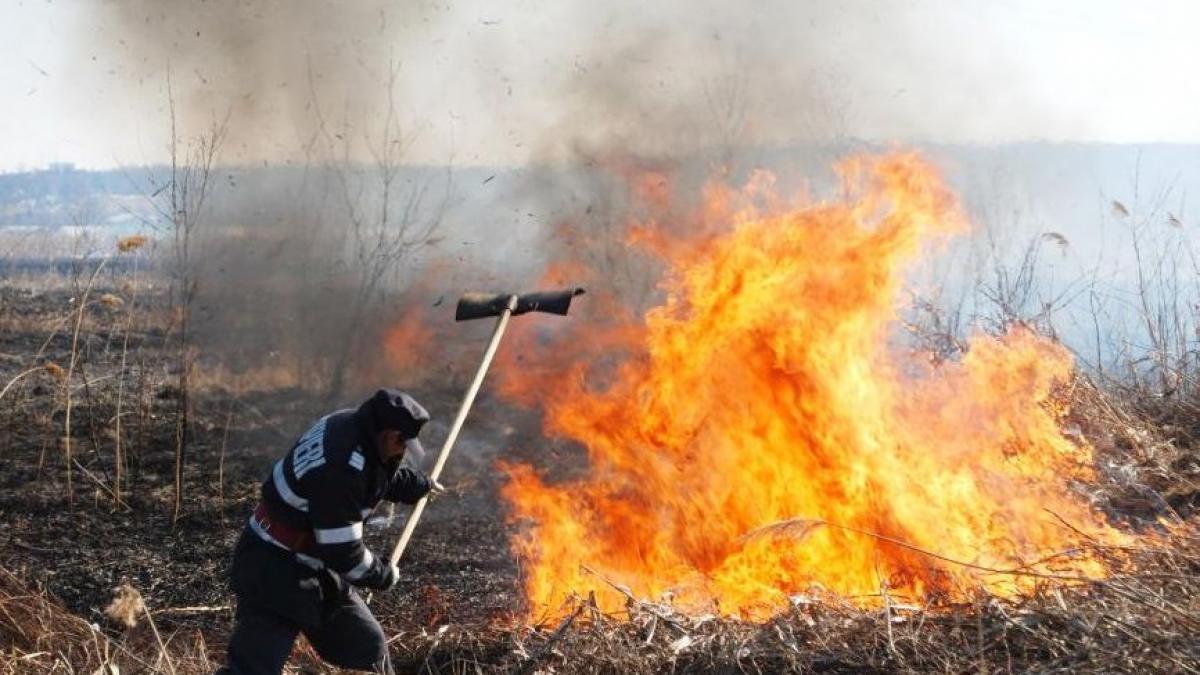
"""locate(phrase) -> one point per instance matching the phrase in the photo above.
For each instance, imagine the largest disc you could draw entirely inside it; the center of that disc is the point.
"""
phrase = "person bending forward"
(300, 556)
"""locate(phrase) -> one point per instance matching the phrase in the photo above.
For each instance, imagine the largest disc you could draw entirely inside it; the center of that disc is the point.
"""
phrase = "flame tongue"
(763, 390)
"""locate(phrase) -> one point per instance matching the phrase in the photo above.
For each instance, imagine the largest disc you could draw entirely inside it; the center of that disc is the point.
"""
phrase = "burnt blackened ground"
(457, 569)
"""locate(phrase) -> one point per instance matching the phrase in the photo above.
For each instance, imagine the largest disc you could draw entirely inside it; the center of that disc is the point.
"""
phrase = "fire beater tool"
(480, 306)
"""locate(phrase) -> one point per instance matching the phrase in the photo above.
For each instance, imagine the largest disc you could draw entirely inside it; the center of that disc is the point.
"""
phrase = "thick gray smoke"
(507, 83)
(266, 64)
(506, 125)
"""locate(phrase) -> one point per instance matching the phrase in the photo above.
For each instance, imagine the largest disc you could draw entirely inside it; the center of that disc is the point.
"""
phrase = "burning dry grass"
(768, 387)
(1141, 621)
(1142, 618)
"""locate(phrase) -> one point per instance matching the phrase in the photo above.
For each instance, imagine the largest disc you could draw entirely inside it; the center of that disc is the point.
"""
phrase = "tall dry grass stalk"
(79, 313)
(124, 245)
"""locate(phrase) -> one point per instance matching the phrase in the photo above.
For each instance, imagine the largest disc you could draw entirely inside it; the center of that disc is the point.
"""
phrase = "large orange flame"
(765, 435)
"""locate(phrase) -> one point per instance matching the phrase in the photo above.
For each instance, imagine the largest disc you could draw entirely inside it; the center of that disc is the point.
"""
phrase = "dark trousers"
(278, 598)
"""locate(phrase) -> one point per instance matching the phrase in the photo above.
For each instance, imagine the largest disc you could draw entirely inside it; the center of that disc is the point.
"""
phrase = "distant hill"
(62, 196)
(1059, 183)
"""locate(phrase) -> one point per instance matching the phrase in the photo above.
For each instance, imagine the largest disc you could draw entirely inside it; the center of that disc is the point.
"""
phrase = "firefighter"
(301, 554)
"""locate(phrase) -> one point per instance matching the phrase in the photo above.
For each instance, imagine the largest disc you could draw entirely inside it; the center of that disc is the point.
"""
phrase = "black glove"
(408, 486)
(391, 575)
(382, 578)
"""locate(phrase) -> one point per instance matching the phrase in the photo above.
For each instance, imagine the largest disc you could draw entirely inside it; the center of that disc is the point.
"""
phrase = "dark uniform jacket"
(326, 485)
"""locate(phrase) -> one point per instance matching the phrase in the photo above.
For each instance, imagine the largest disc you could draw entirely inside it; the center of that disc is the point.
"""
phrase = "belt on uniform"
(280, 534)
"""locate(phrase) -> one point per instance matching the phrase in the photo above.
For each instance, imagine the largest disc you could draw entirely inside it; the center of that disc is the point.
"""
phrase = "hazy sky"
(509, 82)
